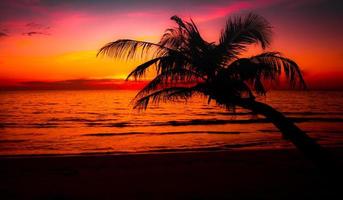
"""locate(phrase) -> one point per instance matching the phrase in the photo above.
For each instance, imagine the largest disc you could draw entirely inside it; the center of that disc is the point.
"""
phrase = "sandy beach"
(244, 174)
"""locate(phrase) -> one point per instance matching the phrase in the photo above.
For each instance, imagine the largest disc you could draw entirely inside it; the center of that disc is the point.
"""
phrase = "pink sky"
(57, 40)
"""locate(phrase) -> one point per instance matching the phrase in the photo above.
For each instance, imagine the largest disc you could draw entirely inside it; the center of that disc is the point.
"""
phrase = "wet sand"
(244, 174)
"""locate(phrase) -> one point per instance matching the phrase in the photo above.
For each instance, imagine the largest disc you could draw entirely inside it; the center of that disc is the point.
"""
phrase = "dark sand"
(263, 174)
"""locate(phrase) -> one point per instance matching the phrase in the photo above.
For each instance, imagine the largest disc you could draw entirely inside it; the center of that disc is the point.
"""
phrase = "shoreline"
(162, 152)
(152, 152)
(244, 174)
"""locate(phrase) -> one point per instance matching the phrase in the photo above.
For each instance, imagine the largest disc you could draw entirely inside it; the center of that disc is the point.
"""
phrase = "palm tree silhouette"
(186, 64)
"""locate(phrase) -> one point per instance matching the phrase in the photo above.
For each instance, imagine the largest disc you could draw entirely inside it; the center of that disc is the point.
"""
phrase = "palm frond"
(189, 33)
(129, 49)
(180, 22)
(272, 64)
(243, 31)
(172, 64)
(173, 78)
(173, 38)
(187, 39)
(266, 66)
(140, 70)
(172, 61)
(163, 95)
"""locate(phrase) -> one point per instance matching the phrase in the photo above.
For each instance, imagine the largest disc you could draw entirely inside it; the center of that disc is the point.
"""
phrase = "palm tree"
(186, 64)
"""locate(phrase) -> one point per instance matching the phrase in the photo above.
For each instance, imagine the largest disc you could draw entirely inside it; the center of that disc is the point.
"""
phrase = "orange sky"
(57, 40)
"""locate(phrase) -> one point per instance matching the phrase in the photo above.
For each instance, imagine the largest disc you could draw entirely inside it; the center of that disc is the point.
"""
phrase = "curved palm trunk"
(290, 131)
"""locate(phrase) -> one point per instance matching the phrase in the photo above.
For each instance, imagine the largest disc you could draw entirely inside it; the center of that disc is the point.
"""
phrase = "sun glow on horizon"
(60, 41)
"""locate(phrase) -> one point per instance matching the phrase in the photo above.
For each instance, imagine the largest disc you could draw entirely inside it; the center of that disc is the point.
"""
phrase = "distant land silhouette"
(75, 84)
(319, 83)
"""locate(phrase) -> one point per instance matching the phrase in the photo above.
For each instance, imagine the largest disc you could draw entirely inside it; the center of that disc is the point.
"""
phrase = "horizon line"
(114, 84)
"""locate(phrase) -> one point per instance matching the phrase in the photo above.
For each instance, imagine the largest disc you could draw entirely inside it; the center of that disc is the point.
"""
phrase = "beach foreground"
(244, 174)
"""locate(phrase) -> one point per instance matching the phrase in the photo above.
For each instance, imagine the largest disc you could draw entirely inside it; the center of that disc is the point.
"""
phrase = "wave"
(13, 141)
(207, 122)
(238, 121)
(165, 149)
(113, 134)
(307, 131)
(193, 132)
(75, 119)
(309, 113)
(7, 124)
(117, 124)
(54, 123)
(99, 149)
(315, 119)
(313, 113)
(171, 150)
(214, 147)
(159, 150)
(268, 131)
(89, 113)
(161, 133)
(200, 132)
(45, 125)
(32, 125)
(248, 144)
(225, 113)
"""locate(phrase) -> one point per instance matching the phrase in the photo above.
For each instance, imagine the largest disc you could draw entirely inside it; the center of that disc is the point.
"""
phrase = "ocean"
(103, 121)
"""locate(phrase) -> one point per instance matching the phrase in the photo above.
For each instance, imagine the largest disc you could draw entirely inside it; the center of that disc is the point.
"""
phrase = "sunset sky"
(57, 40)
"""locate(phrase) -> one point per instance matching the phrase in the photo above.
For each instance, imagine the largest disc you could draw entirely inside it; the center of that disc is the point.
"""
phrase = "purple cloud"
(33, 25)
(33, 33)
(3, 34)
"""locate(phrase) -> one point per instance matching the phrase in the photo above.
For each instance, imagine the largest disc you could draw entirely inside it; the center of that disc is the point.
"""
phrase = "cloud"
(33, 25)
(30, 9)
(33, 33)
(223, 11)
(3, 34)
(36, 29)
